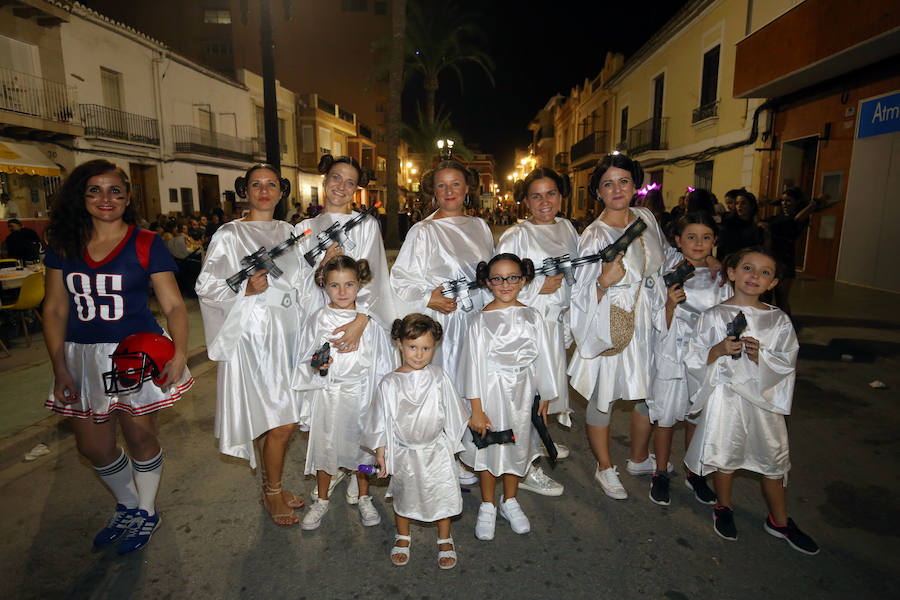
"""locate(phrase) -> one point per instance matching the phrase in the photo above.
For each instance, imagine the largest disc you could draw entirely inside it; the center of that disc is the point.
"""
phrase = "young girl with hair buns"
(340, 391)
(415, 425)
(506, 360)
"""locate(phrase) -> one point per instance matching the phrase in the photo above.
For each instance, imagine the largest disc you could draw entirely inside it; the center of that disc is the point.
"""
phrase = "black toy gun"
(679, 275)
(337, 234)
(492, 437)
(564, 264)
(541, 427)
(320, 358)
(459, 289)
(735, 328)
(263, 259)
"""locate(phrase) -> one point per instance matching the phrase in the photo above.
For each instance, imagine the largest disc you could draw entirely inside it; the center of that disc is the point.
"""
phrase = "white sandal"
(447, 553)
(400, 550)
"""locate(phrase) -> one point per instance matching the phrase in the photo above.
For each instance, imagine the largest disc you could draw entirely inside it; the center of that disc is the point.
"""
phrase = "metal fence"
(594, 143)
(29, 95)
(106, 122)
(652, 134)
(561, 161)
(706, 111)
(201, 141)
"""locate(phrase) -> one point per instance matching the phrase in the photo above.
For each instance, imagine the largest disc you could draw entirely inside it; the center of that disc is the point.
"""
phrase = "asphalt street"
(216, 541)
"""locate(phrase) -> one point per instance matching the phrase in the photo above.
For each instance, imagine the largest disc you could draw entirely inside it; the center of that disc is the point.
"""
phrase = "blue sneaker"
(118, 525)
(139, 531)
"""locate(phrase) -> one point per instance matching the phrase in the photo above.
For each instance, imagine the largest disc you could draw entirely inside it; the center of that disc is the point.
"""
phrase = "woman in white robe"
(633, 283)
(253, 335)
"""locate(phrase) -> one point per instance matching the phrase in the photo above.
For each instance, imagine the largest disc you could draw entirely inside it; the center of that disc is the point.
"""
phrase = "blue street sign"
(878, 116)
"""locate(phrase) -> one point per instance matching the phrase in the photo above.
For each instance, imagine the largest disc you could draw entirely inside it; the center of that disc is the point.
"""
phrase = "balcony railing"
(29, 95)
(706, 111)
(201, 141)
(346, 115)
(595, 143)
(561, 161)
(325, 105)
(652, 134)
(365, 131)
(101, 121)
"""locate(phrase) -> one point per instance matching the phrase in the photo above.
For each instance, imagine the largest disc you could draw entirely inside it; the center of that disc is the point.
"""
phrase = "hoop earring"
(434, 203)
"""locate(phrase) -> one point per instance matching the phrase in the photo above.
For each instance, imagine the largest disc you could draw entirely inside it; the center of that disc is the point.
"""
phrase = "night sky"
(540, 49)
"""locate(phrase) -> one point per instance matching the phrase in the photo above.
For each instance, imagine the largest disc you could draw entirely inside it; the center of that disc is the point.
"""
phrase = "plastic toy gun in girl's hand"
(609, 253)
(459, 289)
(263, 259)
(337, 234)
(679, 275)
(556, 265)
(735, 328)
(320, 359)
(492, 437)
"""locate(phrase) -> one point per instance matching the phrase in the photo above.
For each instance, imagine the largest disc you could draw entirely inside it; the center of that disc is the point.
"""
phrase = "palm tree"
(440, 36)
(422, 136)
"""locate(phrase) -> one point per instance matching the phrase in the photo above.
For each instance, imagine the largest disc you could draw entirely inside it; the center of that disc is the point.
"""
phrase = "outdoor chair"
(30, 297)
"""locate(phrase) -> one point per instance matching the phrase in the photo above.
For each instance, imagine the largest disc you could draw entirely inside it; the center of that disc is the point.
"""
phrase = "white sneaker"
(352, 489)
(646, 467)
(466, 476)
(512, 512)
(609, 481)
(537, 481)
(335, 479)
(313, 517)
(367, 512)
(486, 522)
(562, 451)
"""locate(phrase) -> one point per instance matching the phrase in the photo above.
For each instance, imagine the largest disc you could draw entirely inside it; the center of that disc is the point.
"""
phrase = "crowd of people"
(441, 370)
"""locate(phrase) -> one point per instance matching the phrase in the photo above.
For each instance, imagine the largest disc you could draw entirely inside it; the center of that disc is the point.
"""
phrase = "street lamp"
(446, 148)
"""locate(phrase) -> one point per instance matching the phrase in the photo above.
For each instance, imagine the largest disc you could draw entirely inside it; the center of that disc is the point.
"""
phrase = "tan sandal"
(447, 553)
(400, 550)
(292, 500)
(279, 519)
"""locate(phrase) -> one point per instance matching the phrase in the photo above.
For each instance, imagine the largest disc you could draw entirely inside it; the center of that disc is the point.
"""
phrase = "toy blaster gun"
(320, 358)
(492, 437)
(337, 234)
(735, 328)
(459, 289)
(679, 275)
(565, 265)
(538, 422)
(263, 259)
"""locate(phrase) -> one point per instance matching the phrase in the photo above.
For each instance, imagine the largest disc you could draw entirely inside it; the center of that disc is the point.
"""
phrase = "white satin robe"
(437, 250)
(419, 419)
(604, 379)
(253, 338)
(375, 298)
(669, 402)
(333, 407)
(537, 242)
(743, 403)
(506, 359)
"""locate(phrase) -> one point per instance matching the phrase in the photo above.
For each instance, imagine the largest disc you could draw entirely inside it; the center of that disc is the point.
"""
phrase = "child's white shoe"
(352, 489)
(512, 512)
(313, 517)
(486, 522)
(367, 512)
(442, 554)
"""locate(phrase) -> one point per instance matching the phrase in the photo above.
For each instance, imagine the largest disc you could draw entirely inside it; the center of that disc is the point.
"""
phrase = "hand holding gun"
(735, 328)
(459, 289)
(263, 259)
(538, 422)
(557, 265)
(679, 275)
(337, 234)
(492, 437)
(320, 359)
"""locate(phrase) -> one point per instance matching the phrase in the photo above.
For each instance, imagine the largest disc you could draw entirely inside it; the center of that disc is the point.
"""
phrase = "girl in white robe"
(744, 400)
(415, 424)
(669, 402)
(340, 391)
(253, 334)
(506, 361)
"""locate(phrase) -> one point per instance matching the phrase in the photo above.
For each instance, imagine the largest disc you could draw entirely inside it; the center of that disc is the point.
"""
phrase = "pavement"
(216, 540)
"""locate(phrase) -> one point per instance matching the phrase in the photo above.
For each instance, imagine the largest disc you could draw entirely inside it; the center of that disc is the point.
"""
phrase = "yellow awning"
(25, 159)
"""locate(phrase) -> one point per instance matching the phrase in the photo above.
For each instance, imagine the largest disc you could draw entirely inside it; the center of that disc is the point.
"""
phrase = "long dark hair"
(71, 225)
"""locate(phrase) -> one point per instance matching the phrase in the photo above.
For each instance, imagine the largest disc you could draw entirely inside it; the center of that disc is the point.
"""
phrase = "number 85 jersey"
(108, 298)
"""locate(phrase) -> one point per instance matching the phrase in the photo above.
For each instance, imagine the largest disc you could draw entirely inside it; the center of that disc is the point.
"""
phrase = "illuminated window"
(217, 17)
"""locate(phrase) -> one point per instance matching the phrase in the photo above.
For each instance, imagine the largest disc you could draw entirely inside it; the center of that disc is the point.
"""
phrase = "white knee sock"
(146, 477)
(117, 476)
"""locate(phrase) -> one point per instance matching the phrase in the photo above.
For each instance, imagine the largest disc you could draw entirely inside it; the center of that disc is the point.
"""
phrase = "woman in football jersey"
(100, 267)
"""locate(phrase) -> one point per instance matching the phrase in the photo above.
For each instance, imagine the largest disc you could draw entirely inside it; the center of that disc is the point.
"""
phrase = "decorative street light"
(446, 148)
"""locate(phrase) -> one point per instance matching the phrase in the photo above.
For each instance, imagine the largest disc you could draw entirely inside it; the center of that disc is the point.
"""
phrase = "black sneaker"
(659, 489)
(723, 522)
(702, 493)
(798, 540)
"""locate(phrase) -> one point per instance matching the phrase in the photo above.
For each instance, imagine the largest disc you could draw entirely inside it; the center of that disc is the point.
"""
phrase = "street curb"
(55, 428)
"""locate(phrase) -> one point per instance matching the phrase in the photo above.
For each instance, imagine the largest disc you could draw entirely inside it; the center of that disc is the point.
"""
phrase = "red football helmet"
(139, 357)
